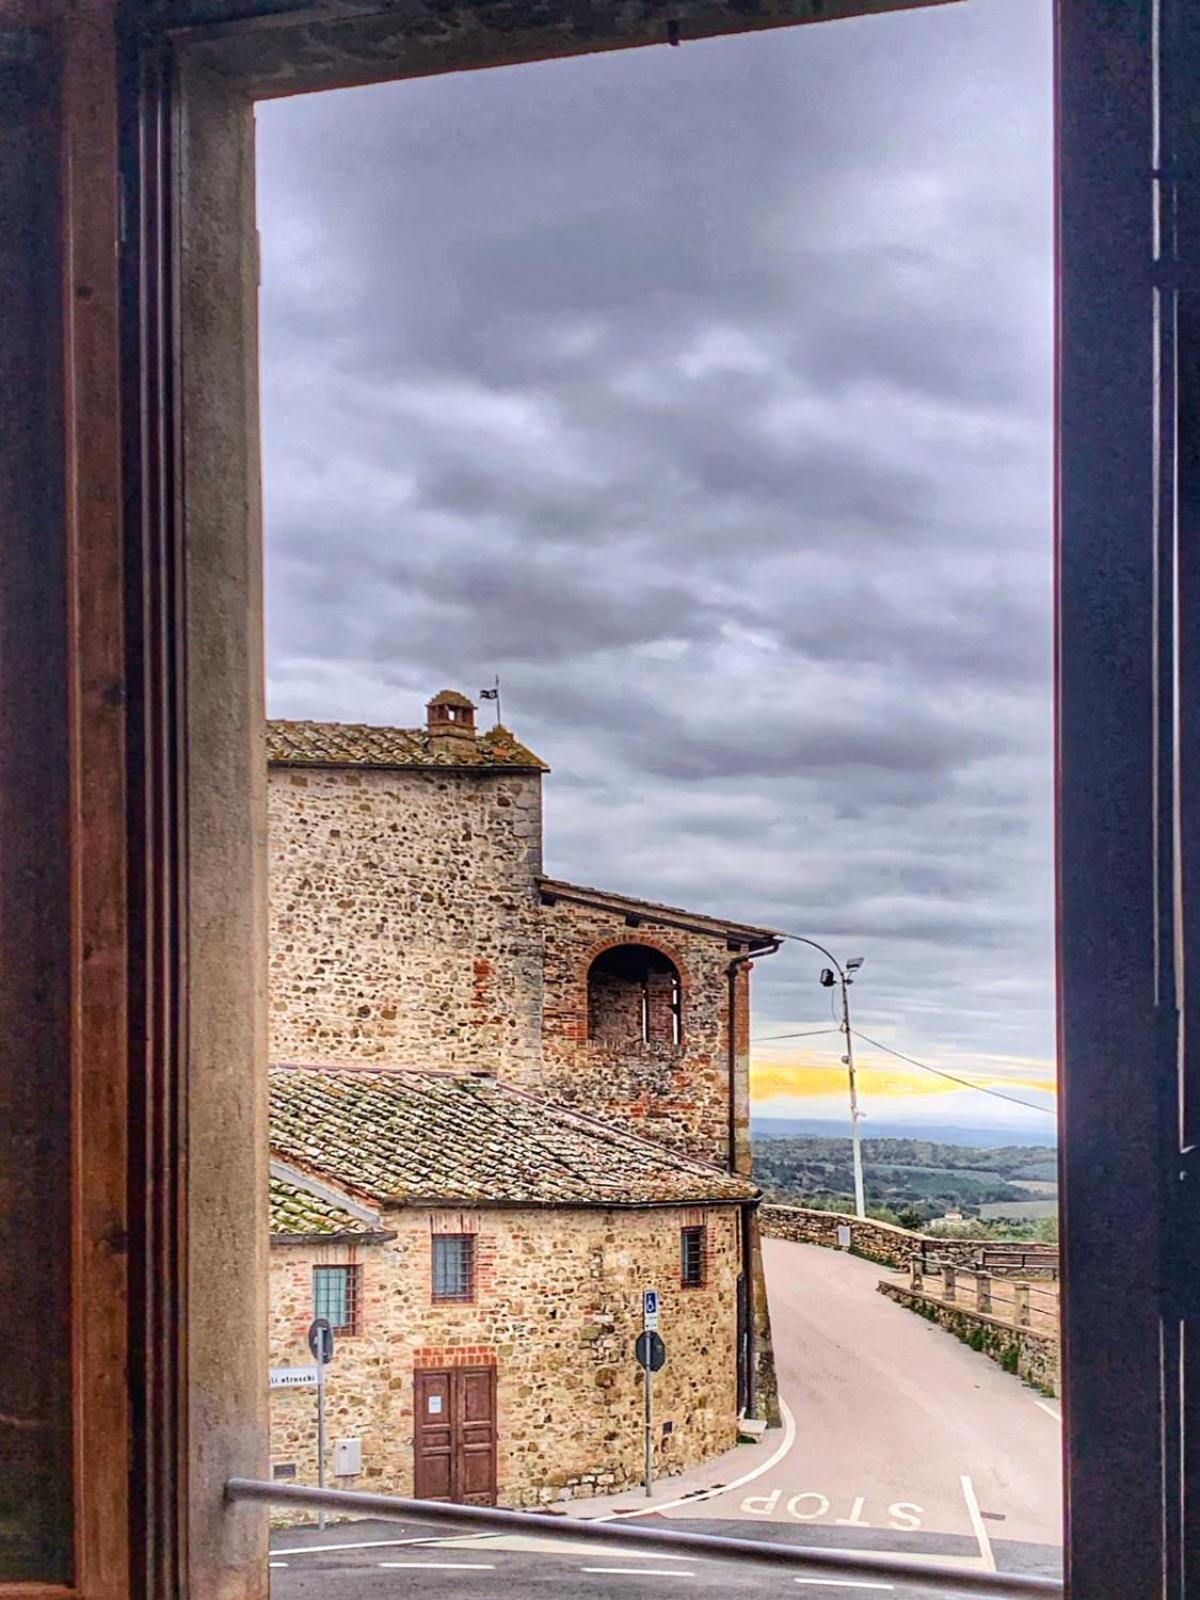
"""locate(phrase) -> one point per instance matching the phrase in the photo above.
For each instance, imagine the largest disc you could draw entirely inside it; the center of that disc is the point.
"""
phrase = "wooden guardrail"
(1017, 1256)
(1002, 1258)
(1021, 1302)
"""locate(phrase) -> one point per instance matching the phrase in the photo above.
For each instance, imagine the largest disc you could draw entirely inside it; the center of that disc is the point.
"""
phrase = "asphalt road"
(900, 1440)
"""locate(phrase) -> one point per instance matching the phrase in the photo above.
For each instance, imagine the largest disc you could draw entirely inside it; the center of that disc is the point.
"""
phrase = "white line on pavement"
(1048, 1409)
(641, 1572)
(277, 1563)
(543, 1544)
(845, 1583)
(443, 1566)
(367, 1544)
(981, 1533)
(789, 1439)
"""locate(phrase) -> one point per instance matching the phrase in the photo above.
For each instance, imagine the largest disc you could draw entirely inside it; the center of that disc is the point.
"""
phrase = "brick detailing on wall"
(558, 1319)
(1030, 1353)
(678, 1093)
(405, 925)
(471, 1355)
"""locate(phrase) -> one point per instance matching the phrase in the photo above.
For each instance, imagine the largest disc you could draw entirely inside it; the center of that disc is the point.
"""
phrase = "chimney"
(450, 721)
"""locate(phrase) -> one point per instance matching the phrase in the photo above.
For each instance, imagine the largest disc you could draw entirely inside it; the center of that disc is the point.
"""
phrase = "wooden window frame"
(154, 638)
(469, 1243)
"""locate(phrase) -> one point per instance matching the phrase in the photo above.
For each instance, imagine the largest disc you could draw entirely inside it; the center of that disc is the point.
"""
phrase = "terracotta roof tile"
(408, 1137)
(354, 744)
(296, 1212)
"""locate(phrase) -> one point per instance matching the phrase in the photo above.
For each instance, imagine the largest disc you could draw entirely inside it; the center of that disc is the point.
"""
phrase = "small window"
(691, 1258)
(634, 994)
(335, 1297)
(453, 1266)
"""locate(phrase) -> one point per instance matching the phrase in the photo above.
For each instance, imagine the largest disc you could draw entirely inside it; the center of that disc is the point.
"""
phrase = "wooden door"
(454, 1435)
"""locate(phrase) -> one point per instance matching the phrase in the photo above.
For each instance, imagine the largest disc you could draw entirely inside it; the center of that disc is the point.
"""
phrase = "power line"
(965, 1083)
(811, 1033)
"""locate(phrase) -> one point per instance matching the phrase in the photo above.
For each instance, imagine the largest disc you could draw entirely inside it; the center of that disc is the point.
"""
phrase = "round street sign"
(651, 1351)
(320, 1341)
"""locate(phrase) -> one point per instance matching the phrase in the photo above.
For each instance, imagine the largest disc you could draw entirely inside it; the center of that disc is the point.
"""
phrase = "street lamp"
(843, 976)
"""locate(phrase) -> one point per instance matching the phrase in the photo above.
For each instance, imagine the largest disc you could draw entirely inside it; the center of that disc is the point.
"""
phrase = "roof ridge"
(380, 746)
(548, 885)
(332, 1191)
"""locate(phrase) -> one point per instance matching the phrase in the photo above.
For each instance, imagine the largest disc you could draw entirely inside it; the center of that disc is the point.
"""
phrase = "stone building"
(412, 924)
(415, 933)
(483, 1254)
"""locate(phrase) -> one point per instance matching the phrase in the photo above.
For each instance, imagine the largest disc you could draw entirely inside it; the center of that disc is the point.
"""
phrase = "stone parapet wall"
(1030, 1353)
(883, 1242)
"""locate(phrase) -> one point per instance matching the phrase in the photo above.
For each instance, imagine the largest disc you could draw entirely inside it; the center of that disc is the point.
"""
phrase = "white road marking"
(845, 1583)
(642, 1572)
(442, 1566)
(277, 1563)
(981, 1533)
(1048, 1409)
(789, 1439)
(544, 1544)
(367, 1544)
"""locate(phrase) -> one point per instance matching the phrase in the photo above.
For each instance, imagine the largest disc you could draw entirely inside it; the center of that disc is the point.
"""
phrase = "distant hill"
(938, 1133)
(912, 1179)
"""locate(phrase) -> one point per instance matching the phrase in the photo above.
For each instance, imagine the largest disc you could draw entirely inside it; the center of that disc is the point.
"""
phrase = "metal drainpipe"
(731, 974)
(748, 1206)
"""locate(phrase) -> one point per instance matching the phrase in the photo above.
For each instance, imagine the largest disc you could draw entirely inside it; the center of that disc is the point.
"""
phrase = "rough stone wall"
(678, 1094)
(358, 1398)
(404, 921)
(876, 1241)
(557, 1312)
(1030, 1353)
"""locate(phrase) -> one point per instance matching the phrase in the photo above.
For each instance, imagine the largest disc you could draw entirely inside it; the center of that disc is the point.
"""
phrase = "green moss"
(996, 1343)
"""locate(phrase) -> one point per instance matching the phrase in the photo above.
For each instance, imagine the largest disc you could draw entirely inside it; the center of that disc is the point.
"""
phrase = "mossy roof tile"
(403, 1137)
(294, 1211)
(355, 744)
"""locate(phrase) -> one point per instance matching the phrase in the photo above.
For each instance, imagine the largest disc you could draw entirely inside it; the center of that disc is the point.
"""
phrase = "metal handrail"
(939, 1576)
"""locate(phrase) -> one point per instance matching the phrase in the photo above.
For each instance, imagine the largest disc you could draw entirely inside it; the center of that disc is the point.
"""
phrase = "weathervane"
(493, 694)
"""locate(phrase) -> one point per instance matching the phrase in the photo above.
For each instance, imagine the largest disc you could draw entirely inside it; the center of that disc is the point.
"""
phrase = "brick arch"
(631, 937)
(663, 946)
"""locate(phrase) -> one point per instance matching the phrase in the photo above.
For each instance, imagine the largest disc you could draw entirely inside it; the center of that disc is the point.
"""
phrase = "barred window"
(336, 1297)
(691, 1258)
(453, 1266)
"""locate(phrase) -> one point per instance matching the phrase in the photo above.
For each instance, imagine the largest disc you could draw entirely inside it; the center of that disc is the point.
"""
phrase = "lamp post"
(843, 976)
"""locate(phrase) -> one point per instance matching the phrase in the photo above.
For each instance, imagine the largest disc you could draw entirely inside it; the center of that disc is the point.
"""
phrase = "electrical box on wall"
(347, 1458)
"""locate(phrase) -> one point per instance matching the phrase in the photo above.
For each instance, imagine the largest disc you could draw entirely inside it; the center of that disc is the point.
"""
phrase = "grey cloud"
(704, 395)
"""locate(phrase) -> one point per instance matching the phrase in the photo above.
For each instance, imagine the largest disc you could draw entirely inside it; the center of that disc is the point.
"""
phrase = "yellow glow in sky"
(799, 1077)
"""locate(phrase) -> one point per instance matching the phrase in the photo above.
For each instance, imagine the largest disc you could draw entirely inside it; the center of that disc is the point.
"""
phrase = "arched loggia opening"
(634, 996)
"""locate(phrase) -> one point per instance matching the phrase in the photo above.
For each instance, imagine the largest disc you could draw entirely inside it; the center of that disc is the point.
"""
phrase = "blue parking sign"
(650, 1309)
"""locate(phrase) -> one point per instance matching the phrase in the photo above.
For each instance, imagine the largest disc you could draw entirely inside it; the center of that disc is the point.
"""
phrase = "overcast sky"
(704, 395)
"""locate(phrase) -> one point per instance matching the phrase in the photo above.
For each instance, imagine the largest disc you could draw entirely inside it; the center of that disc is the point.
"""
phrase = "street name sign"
(293, 1377)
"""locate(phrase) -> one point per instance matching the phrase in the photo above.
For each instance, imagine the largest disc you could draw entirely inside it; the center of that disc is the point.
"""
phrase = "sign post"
(651, 1353)
(320, 1342)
